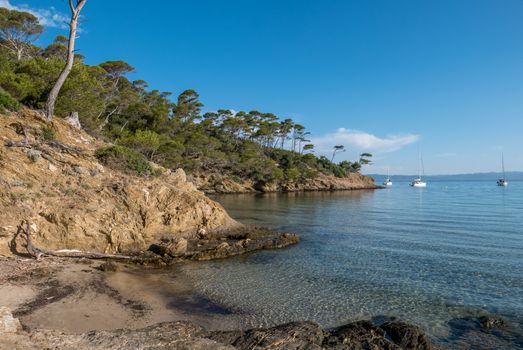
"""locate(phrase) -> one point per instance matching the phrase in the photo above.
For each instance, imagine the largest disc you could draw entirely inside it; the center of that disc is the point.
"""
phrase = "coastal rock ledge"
(393, 335)
(73, 202)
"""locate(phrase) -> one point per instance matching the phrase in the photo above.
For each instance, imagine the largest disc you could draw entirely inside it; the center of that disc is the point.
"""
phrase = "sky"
(388, 77)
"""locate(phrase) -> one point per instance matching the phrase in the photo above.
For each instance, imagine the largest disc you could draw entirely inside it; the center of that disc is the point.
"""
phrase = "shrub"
(48, 133)
(144, 141)
(292, 174)
(7, 103)
(236, 179)
(277, 174)
(125, 160)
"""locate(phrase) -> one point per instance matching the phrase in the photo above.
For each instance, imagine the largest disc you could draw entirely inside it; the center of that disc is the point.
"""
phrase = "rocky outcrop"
(216, 183)
(185, 335)
(73, 202)
(407, 336)
(220, 245)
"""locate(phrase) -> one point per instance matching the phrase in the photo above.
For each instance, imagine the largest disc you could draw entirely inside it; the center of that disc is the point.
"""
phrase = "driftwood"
(37, 253)
(53, 143)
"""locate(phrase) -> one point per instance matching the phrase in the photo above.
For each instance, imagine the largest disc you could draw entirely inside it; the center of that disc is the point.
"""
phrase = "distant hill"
(492, 176)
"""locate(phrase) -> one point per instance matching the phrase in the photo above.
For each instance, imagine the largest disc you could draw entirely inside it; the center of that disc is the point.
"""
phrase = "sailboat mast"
(503, 164)
(419, 165)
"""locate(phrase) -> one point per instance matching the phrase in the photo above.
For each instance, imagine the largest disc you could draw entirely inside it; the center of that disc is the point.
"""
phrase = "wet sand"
(76, 296)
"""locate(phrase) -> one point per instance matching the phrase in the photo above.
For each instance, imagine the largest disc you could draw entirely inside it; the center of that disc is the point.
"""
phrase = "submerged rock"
(359, 335)
(491, 322)
(407, 336)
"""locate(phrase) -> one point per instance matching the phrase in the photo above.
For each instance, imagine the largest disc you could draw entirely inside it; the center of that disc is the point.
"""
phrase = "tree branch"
(37, 253)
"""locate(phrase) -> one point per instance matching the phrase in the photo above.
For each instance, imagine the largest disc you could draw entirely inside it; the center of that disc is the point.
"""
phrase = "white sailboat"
(503, 181)
(419, 182)
(388, 181)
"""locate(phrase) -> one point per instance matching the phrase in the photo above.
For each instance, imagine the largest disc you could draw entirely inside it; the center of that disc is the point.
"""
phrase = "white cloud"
(363, 141)
(49, 17)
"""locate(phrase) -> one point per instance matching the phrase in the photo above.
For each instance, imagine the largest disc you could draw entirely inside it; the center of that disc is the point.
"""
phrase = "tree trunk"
(53, 95)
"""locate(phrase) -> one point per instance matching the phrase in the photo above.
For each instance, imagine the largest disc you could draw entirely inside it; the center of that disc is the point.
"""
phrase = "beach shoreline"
(59, 301)
(75, 302)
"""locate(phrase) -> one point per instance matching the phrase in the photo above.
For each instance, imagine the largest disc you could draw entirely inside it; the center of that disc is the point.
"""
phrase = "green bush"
(48, 133)
(146, 142)
(125, 160)
(7, 103)
(277, 174)
(292, 174)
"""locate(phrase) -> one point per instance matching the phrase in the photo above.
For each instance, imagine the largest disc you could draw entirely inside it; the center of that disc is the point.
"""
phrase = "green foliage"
(18, 30)
(125, 160)
(146, 142)
(7, 103)
(292, 174)
(148, 124)
(48, 133)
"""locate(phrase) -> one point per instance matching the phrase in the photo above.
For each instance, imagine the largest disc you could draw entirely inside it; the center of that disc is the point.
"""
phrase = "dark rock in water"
(489, 322)
(407, 336)
(361, 335)
(296, 335)
(484, 333)
(358, 336)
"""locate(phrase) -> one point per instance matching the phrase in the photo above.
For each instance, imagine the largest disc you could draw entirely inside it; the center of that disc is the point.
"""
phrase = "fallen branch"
(55, 144)
(24, 143)
(37, 253)
(63, 147)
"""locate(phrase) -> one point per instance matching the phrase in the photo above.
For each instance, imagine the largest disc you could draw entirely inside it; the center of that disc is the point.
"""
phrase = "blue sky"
(375, 75)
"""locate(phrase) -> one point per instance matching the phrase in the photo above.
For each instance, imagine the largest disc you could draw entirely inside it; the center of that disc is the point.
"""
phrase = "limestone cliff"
(75, 202)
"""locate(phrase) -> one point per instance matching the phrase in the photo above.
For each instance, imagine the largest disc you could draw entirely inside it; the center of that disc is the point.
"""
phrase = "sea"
(433, 256)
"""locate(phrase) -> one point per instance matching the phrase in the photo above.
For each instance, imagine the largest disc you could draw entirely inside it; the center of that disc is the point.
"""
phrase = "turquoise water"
(452, 250)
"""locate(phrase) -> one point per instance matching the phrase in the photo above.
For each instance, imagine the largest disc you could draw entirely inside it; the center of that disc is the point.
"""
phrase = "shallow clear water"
(424, 255)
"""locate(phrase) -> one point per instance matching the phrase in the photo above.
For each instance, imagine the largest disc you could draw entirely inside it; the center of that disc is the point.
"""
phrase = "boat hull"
(419, 185)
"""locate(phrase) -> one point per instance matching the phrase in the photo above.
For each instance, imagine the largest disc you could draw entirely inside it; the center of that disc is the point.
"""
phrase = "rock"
(179, 248)
(179, 175)
(8, 324)
(223, 246)
(108, 266)
(359, 335)
(407, 336)
(490, 322)
(79, 170)
(296, 335)
(34, 155)
(52, 167)
(73, 120)
(202, 233)
(217, 183)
